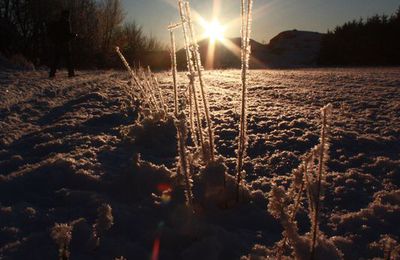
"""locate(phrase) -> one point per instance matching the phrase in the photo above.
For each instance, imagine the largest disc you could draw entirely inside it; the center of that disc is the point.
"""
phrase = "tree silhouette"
(99, 25)
(374, 41)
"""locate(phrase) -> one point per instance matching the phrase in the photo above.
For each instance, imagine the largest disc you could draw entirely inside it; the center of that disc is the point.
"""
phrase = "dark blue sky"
(270, 18)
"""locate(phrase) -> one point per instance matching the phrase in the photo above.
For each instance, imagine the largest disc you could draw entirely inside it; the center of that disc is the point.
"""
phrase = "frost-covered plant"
(158, 88)
(246, 13)
(104, 221)
(191, 75)
(191, 116)
(62, 235)
(278, 203)
(194, 62)
(174, 70)
(133, 76)
(183, 160)
(196, 128)
(132, 94)
(322, 152)
(295, 191)
(309, 177)
(145, 86)
(150, 90)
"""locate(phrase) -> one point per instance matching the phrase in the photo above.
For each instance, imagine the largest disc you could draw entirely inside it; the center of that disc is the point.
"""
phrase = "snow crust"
(68, 147)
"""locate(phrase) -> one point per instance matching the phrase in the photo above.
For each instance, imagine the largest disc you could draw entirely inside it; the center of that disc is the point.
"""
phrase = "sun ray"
(214, 30)
(256, 13)
(209, 62)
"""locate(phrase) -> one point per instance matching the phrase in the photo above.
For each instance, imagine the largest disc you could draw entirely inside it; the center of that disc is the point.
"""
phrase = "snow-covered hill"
(286, 50)
(293, 49)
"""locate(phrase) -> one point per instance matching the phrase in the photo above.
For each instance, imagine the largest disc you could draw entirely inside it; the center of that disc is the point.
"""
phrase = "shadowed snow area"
(67, 146)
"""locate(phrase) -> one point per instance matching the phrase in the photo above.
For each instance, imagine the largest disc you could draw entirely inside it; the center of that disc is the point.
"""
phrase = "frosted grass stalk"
(159, 92)
(197, 63)
(135, 79)
(150, 82)
(153, 90)
(126, 64)
(145, 91)
(246, 14)
(198, 121)
(174, 70)
(277, 207)
(309, 179)
(321, 169)
(191, 73)
(191, 121)
(150, 89)
(157, 88)
(183, 160)
(174, 26)
(189, 54)
(303, 171)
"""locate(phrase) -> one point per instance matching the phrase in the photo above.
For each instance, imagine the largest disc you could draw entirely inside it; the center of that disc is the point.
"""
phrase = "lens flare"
(156, 249)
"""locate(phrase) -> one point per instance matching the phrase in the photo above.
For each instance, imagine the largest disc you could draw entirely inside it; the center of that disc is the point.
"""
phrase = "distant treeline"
(375, 41)
(98, 23)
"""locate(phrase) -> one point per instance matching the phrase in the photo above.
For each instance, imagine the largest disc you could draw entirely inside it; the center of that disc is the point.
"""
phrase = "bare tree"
(110, 16)
(99, 24)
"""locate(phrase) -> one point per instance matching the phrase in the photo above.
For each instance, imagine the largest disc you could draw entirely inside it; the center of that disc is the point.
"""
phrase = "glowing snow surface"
(63, 153)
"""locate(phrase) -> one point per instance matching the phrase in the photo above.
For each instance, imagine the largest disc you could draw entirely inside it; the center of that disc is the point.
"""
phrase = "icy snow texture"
(67, 146)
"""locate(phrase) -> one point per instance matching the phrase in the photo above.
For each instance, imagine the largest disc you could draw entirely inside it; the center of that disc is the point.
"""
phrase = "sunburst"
(213, 31)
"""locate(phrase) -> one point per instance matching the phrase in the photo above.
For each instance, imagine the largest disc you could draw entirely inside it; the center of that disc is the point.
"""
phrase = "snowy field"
(67, 146)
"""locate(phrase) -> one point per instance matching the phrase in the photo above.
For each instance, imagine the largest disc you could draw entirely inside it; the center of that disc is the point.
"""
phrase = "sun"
(214, 31)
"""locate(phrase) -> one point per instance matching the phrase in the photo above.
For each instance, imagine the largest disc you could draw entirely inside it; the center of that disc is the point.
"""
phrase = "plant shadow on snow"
(47, 175)
(157, 196)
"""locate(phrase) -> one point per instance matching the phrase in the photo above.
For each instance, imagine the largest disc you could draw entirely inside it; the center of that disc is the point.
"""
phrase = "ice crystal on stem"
(174, 70)
(183, 158)
(246, 13)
